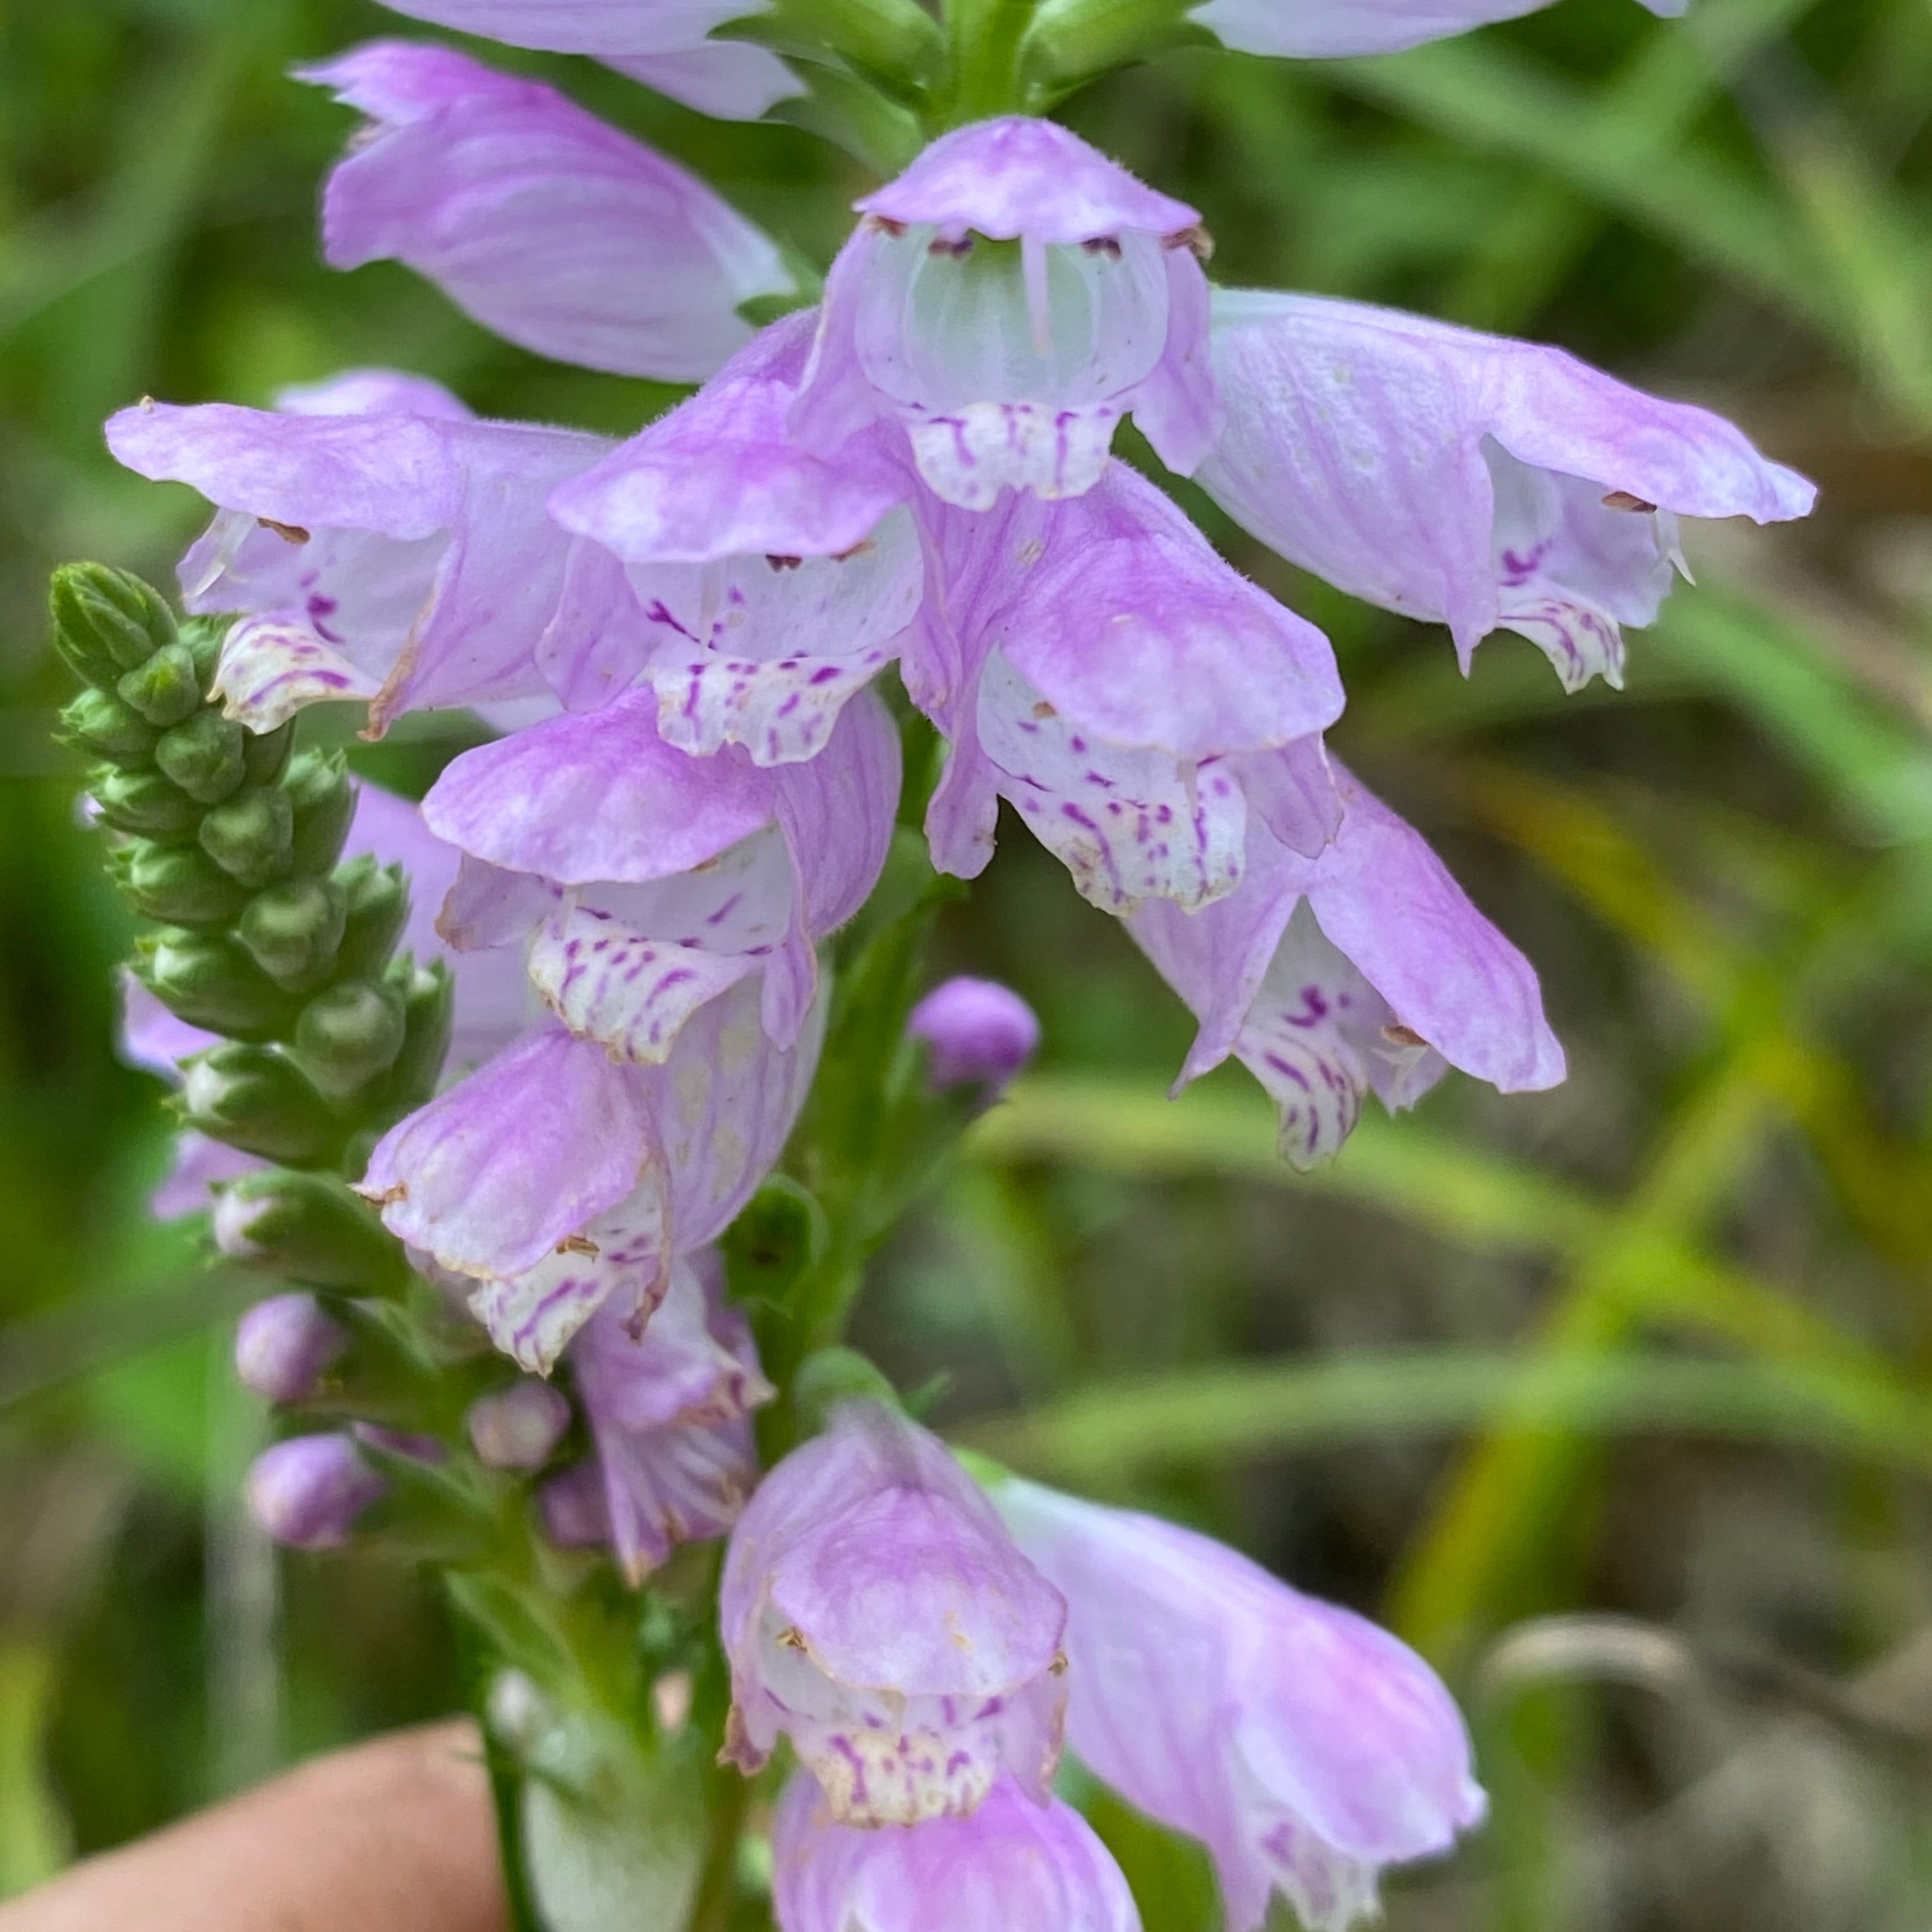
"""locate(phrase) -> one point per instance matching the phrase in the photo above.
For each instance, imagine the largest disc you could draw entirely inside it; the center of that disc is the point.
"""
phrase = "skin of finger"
(395, 1835)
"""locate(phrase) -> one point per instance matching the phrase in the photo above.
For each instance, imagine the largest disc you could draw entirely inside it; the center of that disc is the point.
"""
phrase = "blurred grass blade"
(1112, 1432)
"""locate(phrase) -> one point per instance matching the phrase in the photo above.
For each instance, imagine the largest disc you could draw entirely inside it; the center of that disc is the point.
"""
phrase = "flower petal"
(490, 1175)
(543, 223)
(1128, 825)
(1464, 478)
(596, 796)
(618, 1262)
(1017, 175)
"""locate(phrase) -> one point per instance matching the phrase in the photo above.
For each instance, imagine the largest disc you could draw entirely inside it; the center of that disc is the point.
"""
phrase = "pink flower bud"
(979, 1033)
(284, 1346)
(308, 1491)
(517, 1427)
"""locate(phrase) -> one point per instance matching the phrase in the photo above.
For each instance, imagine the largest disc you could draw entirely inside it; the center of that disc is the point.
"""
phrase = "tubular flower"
(874, 1608)
(765, 584)
(1014, 1865)
(1362, 968)
(669, 1408)
(1466, 479)
(536, 218)
(378, 541)
(661, 42)
(1318, 29)
(1097, 666)
(648, 882)
(1305, 1747)
(554, 1180)
(1008, 299)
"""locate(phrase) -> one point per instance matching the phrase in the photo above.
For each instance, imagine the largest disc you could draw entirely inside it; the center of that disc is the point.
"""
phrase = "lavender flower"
(874, 1608)
(1468, 480)
(284, 1345)
(668, 1407)
(1363, 967)
(1317, 29)
(1097, 665)
(1008, 299)
(519, 1426)
(978, 1034)
(766, 585)
(648, 883)
(553, 1179)
(661, 42)
(1014, 1865)
(1306, 1746)
(379, 542)
(308, 1491)
(536, 218)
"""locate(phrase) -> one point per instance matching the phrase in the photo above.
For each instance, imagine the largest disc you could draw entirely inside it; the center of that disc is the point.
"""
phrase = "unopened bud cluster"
(231, 840)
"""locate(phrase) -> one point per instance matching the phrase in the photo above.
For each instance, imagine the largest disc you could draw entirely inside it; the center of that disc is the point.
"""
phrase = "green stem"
(985, 36)
(718, 1882)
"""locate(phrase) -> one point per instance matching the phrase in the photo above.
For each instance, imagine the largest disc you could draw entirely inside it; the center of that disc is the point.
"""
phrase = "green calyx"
(232, 841)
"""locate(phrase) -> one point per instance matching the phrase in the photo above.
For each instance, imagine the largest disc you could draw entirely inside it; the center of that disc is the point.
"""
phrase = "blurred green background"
(1617, 1401)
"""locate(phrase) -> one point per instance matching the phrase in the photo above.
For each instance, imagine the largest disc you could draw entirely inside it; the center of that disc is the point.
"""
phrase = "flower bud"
(165, 689)
(350, 1033)
(209, 980)
(202, 754)
(256, 1099)
(284, 1345)
(517, 1427)
(144, 804)
(377, 897)
(106, 727)
(106, 622)
(978, 1033)
(265, 754)
(309, 1228)
(308, 1491)
(317, 784)
(251, 838)
(293, 931)
(180, 884)
(429, 1011)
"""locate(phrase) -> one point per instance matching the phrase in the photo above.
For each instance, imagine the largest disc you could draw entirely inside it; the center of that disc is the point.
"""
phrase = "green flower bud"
(202, 754)
(828, 1377)
(350, 1033)
(293, 931)
(179, 884)
(428, 994)
(317, 784)
(257, 1098)
(309, 1227)
(252, 837)
(204, 638)
(106, 622)
(265, 754)
(145, 803)
(166, 688)
(379, 906)
(209, 980)
(100, 724)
